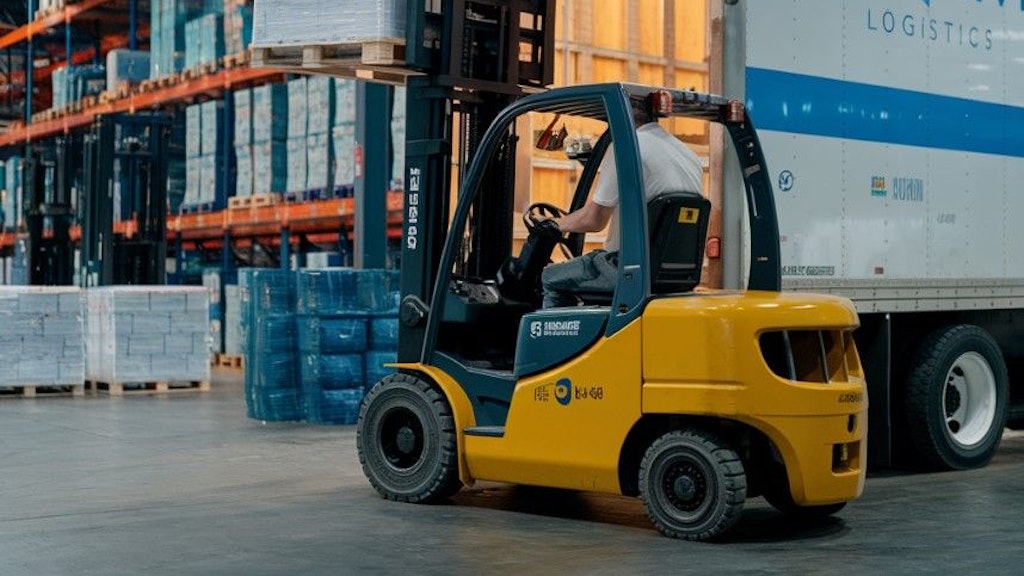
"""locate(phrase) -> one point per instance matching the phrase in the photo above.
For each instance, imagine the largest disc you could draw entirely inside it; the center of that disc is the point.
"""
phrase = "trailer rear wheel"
(406, 441)
(692, 484)
(956, 398)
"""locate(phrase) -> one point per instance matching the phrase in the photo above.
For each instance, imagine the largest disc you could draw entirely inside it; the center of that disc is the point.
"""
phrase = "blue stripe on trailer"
(802, 104)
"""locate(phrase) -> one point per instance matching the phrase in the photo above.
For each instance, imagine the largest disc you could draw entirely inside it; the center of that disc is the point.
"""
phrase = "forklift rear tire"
(406, 441)
(692, 484)
(956, 398)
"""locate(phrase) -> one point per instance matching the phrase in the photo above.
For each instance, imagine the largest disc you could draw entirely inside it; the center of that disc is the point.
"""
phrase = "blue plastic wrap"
(334, 406)
(383, 333)
(375, 291)
(327, 291)
(374, 361)
(268, 340)
(331, 335)
(331, 372)
(266, 289)
(275, 405)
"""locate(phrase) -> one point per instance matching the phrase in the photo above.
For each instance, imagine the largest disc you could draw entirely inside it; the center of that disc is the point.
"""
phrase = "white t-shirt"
(668, 166)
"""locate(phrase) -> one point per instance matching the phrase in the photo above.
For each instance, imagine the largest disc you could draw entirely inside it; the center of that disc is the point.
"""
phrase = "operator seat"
(678, 225)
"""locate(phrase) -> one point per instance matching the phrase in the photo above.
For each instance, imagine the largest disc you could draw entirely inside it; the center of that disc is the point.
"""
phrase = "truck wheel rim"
(969, 399)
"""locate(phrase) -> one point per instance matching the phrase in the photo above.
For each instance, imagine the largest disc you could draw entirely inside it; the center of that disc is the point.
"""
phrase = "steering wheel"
(538, 212)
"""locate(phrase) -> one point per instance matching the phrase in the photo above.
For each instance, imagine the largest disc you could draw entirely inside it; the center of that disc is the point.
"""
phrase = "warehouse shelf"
(317, 217)
(180, 89)
(109, 15)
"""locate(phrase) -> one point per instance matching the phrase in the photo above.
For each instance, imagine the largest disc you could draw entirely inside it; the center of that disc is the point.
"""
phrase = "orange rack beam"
(320, 216)
(212, 84)
(39, 26)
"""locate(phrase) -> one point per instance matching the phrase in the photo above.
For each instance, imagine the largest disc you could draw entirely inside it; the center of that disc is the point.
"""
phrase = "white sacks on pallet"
(299, 22)
(147, 334)
(41, 336)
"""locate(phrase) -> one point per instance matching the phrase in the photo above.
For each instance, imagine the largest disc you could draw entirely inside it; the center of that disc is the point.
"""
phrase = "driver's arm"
(592, 217)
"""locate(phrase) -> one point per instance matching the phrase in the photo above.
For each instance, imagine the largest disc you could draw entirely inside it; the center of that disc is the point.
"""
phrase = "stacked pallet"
(41, 345)
(315, 357)
(266, 300)
(152, 338)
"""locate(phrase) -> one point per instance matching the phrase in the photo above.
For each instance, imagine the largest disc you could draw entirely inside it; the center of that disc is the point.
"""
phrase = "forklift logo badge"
(563, 391)
(535, 329)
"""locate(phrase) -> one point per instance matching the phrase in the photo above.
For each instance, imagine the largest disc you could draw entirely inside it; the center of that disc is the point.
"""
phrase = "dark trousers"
(593, 272)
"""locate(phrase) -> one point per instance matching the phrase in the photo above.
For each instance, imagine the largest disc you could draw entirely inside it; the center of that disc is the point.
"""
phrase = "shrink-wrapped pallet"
(301, 22)
(137, 334)
(41, 336)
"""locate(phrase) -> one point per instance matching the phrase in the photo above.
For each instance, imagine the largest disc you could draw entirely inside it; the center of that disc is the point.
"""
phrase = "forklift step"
(489, 431)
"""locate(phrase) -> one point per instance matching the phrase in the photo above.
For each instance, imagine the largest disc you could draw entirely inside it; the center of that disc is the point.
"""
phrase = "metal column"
(373, 170)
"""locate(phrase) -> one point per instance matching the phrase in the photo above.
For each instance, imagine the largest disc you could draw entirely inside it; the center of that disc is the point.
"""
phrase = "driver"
(668, 165)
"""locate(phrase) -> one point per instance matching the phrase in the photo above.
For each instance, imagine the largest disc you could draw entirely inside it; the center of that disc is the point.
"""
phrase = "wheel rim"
(969, 399)
(401, 438)
(685, 490)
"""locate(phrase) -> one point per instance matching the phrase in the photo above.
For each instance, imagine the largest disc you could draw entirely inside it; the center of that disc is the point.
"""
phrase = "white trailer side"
(894, 130)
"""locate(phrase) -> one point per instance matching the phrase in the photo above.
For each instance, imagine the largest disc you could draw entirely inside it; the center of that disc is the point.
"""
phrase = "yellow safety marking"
(688, 215)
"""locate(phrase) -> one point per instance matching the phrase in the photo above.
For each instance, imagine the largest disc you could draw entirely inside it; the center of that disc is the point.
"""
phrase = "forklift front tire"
(406, 441)
(692, 484)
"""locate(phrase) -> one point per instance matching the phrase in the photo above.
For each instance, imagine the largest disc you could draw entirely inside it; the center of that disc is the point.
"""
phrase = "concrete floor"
(185, 484)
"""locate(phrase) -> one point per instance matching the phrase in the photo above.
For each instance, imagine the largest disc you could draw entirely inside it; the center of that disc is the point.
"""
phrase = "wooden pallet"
(380, 60)
(42, 390)
(157, 387)
(235, 60)
(256, 200)
(227, 361)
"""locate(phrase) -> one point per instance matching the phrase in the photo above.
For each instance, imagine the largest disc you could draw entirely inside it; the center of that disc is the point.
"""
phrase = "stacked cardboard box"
(41, 337)
(269, 137)
(131, 66)
(12, 193)
(243, 143)
(208, 130)
(147, 334)
(321, 97)
(204, 40)
(298, 114)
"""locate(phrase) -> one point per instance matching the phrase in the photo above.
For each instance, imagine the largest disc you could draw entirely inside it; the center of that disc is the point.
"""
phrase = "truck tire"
(406, 441)
(692, 485)
(956, 398)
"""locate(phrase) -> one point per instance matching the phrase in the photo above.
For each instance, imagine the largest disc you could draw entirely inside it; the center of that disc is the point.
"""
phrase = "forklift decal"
(563, 391)
(688, 215)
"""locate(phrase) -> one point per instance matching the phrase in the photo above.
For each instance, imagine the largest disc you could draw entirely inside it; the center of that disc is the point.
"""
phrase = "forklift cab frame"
(461, 302)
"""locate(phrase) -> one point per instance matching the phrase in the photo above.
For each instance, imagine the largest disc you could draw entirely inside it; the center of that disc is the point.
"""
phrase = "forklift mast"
(477, 56)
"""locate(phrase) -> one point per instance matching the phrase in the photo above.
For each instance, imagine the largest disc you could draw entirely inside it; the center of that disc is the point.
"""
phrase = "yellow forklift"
(692, 399)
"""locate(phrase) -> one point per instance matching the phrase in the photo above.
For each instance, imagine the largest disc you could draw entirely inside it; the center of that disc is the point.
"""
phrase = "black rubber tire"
(941, 395)
(692, 485)
(407, 442)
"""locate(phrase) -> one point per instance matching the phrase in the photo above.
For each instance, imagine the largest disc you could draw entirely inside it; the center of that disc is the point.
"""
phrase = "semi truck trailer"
(894, 132)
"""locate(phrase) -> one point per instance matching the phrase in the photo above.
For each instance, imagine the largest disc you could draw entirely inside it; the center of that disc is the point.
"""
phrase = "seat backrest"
(678, 224)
